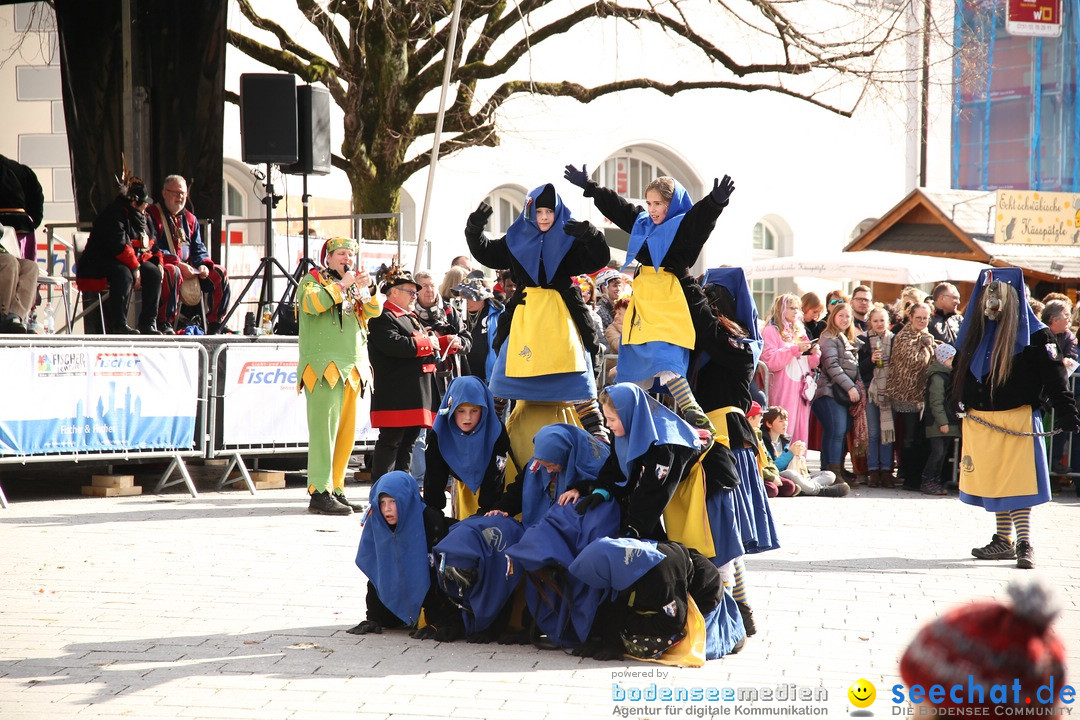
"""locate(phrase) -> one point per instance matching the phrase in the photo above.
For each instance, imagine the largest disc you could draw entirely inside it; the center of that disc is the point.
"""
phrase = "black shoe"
(124, 329)
(323, 503)
(999, 548)
(12, 325)
(1025, 555)
(149, 329)
(837, 489)
(355, 507)
(698, 419)
(747, 618)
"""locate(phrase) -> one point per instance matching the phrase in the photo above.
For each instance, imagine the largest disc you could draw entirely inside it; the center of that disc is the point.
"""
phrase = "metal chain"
(1015, 433)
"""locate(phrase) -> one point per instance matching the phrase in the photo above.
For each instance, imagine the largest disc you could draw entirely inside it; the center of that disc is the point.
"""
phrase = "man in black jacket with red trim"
(117, 257)
(404, 358)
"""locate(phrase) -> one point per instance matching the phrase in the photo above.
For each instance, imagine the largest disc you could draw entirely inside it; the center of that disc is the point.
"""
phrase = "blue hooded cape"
(467, 454)
(581, 456)
(1029, 321)
(658, 237)
(733, 279)
(614, 564)
(527, 243)
(479, 543)
(395, 559)
(646, 423)
(567, 616)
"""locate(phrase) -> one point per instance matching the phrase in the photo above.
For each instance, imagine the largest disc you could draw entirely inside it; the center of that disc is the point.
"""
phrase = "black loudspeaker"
(313, 132)
(268, 118)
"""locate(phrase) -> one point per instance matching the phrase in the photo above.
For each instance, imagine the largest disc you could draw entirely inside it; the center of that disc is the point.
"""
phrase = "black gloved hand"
(578, 228)
(1069, 423)
(478, 218)
(607, 653)
(588, 648)
(588, 502)
(368, 626)
(577, 177)
(425, 633)
(722, 189)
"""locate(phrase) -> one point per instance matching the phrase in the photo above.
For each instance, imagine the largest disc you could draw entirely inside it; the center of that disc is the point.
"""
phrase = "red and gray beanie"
(994, 644)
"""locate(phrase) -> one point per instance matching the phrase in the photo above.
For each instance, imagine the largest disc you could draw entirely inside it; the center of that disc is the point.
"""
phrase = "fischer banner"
(64, 399)
(261, 405)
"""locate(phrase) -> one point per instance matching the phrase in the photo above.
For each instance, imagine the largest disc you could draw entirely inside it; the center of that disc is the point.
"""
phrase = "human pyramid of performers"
(609, 522)
(598, 522)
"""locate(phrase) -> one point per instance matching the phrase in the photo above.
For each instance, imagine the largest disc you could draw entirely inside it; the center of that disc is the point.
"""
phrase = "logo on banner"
(268, 372)
(59, 364)
(114, 364)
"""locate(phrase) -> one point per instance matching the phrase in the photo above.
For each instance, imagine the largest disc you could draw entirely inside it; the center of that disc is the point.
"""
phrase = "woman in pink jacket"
(790, 355)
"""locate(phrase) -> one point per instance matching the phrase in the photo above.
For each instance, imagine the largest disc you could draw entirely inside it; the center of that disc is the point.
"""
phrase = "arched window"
(766, 244)
(232, 200)
(506, 204)
(630, 173)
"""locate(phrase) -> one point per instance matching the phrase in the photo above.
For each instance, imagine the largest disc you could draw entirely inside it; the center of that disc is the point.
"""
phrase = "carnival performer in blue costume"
(729, 350)
(565, 458)
(399, 534)
(653, 452)
(476, 574)
(562, 606)
(1008, 366)
(467, 446)
(661, 597)
(545, 338)
(668, 308)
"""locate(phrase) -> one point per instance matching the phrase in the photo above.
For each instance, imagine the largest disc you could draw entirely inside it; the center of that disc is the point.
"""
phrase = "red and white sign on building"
(1036, 18)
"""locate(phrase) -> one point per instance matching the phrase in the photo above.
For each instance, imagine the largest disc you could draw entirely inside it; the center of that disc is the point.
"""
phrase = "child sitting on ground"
(775, 484)
(790, 458)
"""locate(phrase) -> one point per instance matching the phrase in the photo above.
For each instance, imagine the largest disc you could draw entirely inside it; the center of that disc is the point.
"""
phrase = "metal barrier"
(44, 366)
(286, 426)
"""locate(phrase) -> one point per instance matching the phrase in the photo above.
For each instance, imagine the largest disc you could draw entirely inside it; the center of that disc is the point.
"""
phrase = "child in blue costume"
(476, 574)
(725, 368)
(653, 451)
(1009, 364)
(563, 607)
(468, 445)
(649, 587)
(394, 551)
(545, 338)
(564, 457)
(668, 308)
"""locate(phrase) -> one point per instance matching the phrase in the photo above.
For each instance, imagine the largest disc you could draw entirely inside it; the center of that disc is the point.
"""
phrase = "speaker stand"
(266, 265)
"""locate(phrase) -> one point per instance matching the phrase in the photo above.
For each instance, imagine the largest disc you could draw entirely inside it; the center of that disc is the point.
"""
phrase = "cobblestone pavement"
(235, 606)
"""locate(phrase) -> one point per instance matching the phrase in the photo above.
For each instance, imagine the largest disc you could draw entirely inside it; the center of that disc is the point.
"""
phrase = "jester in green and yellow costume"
(335, 304)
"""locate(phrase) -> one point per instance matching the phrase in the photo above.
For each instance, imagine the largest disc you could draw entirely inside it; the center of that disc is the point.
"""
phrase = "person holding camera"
(335, 304)
(117, 258)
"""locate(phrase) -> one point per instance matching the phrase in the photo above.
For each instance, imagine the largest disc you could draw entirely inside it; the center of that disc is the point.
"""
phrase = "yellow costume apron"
(996, 465)
(658, 311)
(543, 338)
(686, 518)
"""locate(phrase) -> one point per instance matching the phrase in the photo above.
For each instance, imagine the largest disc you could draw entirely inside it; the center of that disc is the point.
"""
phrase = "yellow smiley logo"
(862, 693)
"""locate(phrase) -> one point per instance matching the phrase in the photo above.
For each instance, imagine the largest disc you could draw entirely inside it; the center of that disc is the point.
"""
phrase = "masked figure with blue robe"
(1008, 367)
